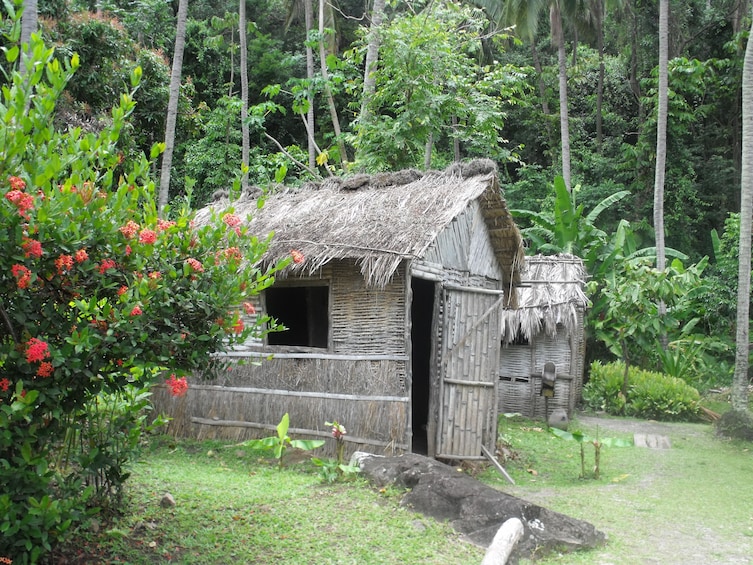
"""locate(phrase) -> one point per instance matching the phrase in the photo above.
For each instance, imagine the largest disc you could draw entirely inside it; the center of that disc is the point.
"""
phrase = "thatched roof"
(551, 293)
(378, 220)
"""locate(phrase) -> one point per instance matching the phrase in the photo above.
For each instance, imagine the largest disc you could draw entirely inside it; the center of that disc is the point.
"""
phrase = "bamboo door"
(468, 372)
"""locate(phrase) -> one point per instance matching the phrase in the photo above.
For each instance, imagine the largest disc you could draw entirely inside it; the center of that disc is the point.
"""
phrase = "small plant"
(281, 442)
(334, 469)
(597, 442)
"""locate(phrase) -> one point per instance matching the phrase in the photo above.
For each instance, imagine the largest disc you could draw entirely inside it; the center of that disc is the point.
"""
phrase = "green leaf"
(282, 427)
(307, 444)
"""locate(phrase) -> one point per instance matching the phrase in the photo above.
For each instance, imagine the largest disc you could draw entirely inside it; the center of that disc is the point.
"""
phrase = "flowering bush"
(98, 296)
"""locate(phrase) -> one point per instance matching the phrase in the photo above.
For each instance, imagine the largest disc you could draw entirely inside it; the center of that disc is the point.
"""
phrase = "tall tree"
(309, 120)
(742, 351)
(661, 133)
(524, 15)
(372, 58)
(244, 93)
(29, 22)
(172, 105)
(328, 89)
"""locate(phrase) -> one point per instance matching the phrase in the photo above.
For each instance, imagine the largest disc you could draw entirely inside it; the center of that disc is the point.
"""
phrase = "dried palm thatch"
(551, 294)
(378, 220)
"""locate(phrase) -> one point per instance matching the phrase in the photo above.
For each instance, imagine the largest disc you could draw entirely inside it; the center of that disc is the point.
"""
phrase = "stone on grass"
(167, 501)
(477, 510)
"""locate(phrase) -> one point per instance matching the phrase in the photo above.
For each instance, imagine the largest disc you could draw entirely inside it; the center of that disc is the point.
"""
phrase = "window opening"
(304, 310)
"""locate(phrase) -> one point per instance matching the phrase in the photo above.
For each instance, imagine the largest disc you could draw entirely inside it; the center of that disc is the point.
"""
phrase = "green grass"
(656, 506)
(233, 507)
(689, 504)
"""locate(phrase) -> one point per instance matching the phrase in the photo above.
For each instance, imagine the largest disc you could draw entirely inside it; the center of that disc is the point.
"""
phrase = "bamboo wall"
(521, 366)
(360, 381)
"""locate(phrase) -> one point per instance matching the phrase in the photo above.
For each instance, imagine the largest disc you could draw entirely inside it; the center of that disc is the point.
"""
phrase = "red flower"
(239, 326)
(105, 265)
(195, 264)
(147, 236)
(16, 183)
(297, 256)
(4, 384)
(178, 387)
(64, 263)
(128, 250)
(45, 369)
(122, 290)
(21, 200)
(137, 311)
(81, 255)
(130, 229)
(36, 350)
(154, 275)
(32, 248)
(231, 220)
(22, 274)
(163, 225)
(249, 308)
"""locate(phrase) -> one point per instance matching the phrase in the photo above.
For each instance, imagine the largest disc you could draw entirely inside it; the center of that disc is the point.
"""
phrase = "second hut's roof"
(551, 293)
(378, 220)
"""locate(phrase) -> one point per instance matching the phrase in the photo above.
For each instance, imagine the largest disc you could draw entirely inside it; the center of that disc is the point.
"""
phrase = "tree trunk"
(328, 90)
(740, 379)
(29, 21)
(172, 105)
(372, 57)
(558, 35)
(244, 93)
(661, 147)
(599, 10)
(309, 15)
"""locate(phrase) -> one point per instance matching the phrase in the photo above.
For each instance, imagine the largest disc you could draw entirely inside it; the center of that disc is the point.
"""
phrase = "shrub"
(650, 394)
(99, 299)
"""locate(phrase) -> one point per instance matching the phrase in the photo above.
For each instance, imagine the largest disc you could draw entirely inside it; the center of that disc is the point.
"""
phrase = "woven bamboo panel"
(561, 398)
(367, 319)
(345, 376)
(555, 349)
(515, 361)
(208, 412)
(514, 395)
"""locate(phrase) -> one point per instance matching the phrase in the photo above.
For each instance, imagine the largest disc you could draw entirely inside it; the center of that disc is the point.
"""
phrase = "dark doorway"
(422, 313)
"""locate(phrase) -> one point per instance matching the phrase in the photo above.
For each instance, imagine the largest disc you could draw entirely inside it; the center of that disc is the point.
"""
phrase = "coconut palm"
(246, 147)
(172, 104)
(740, 379)
(524, 14)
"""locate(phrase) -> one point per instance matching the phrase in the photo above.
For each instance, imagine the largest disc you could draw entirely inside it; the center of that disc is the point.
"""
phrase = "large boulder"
(477, 510)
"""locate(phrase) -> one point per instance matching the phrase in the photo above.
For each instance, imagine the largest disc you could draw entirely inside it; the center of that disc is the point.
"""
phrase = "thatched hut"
(546, 327)
(393, 317)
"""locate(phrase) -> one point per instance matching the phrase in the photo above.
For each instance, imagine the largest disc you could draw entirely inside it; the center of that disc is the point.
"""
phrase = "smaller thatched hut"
(546, 327)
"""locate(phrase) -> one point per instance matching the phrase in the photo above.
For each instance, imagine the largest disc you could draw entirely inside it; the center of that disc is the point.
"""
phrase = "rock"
(558, 419)
(167, 501)
(475, 509)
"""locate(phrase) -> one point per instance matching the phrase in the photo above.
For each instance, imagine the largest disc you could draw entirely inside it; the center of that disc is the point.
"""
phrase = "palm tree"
(372, 57)
(244, 93)
(524, 14)
(740, 379)
(661, 134)
(172, 105)
(29, 19)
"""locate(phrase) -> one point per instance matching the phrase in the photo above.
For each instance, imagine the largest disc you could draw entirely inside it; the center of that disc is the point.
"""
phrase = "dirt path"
(691, 504)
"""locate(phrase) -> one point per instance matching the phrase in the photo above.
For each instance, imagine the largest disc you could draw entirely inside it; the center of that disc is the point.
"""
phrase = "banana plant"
(280, 443)
(597, 442)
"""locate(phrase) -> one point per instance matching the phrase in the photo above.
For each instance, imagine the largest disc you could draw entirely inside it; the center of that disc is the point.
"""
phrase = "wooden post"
(504, 542)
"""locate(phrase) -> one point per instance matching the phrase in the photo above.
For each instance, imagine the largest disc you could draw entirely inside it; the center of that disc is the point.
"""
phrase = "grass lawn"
(688, 504)
(234, 508)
